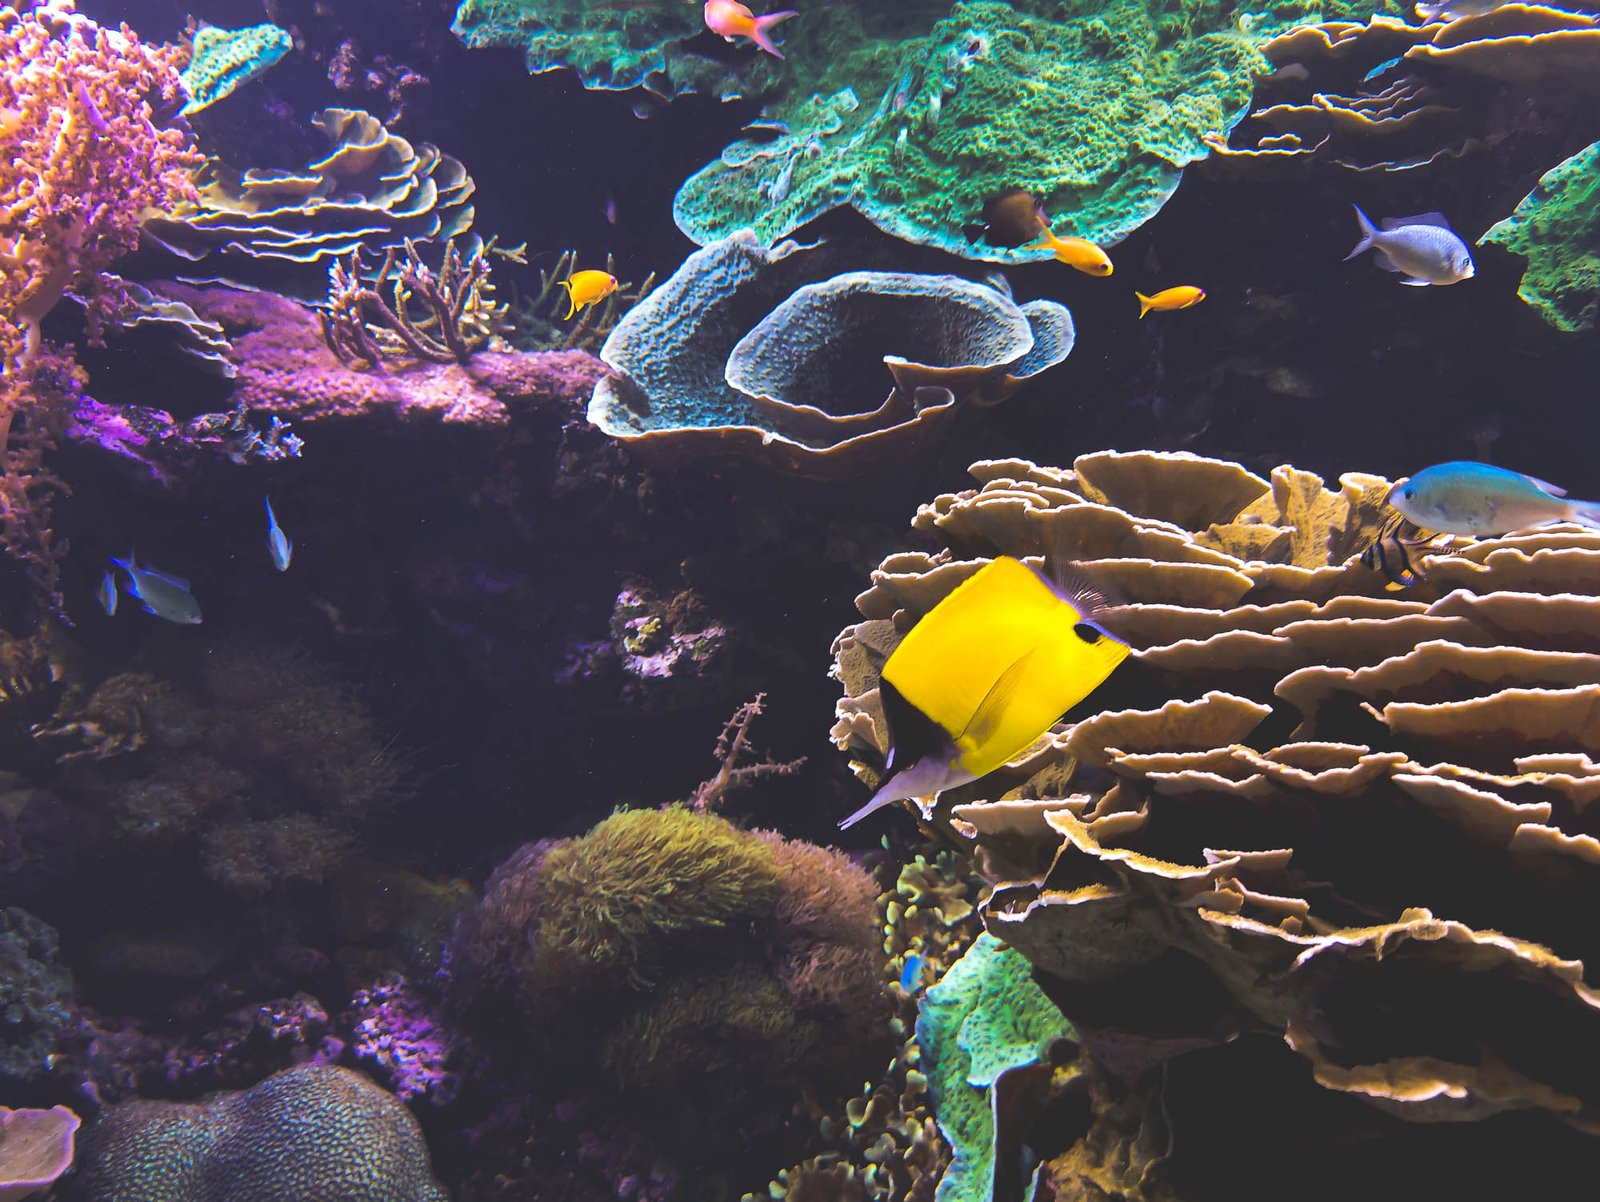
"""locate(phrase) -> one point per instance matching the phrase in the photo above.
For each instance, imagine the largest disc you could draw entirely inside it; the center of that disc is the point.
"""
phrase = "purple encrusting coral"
(394, 1032)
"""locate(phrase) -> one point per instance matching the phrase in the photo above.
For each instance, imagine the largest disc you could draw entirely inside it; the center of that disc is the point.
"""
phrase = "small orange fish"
(585, 288)
(734, 20)
(1077, 252)
(1167, 299)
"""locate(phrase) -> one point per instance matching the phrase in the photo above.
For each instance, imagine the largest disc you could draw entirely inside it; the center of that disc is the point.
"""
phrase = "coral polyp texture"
(1308, 800)
(224, 60)
(1557, 229)
(1389, 95)
(267, 227)
(776, 355)
(304, 1135)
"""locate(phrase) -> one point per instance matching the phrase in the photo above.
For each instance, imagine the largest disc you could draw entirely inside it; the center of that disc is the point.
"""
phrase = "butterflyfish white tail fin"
(1586, 513)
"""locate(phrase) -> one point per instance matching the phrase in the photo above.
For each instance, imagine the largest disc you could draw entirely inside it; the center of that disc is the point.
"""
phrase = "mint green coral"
(985, 1016)
(224, 60)
(914, 113)
(1094, 107)
(1557, 229)
(610, 46)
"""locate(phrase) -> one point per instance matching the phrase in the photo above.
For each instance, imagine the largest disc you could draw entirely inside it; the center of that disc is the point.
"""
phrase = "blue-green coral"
(1557, 228)
(227, 59)
(914, 114)
(778, 355)
(984, 1018)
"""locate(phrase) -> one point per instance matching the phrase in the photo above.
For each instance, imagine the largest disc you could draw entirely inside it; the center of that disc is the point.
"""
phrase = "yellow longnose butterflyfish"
(585, 288)
(989, 669)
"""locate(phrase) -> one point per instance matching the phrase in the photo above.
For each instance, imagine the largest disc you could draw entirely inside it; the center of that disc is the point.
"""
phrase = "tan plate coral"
(1357, 818)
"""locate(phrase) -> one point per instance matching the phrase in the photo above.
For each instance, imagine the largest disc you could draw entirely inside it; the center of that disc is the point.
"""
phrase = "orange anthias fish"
(734, 20)
(585, 288)
(1015, 218)
(1167, 299)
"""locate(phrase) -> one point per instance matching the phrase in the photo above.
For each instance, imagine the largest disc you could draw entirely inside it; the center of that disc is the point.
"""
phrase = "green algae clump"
(641, 877)
(1557, 229)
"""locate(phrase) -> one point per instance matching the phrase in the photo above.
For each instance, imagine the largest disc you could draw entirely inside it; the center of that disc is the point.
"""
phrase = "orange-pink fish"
(734, 20)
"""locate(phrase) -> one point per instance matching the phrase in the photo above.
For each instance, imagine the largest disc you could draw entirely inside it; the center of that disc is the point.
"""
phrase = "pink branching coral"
(84, 160)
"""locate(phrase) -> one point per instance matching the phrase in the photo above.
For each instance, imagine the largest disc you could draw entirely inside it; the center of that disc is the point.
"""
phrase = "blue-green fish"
(278, 544)
(911, 973)
(106, 594)
(1423, 249)
(164, 595)
(1475, 498)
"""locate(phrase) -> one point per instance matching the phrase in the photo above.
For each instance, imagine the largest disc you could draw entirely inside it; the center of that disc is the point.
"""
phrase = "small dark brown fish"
(1011, 218)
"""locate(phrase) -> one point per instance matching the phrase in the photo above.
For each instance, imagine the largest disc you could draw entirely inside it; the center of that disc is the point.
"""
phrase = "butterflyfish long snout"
(989, 669)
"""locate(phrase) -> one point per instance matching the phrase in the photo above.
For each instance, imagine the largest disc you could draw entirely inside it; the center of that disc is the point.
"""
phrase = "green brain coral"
(984, 1017)
(1557, 228)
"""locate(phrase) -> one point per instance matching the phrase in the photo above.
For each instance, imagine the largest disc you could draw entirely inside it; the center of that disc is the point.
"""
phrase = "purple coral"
(395, 1033)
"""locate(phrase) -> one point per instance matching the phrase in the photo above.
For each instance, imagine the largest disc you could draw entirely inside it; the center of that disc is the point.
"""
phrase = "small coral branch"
(408, 309)
(732, 746)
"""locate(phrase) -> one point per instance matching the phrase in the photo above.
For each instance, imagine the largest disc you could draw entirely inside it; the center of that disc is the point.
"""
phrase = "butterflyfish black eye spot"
(1086, 632)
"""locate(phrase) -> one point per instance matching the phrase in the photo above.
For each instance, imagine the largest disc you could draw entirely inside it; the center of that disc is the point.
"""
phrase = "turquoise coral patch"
(226, 59)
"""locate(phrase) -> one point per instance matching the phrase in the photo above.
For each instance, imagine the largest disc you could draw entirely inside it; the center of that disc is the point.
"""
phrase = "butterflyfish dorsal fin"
(991, 711)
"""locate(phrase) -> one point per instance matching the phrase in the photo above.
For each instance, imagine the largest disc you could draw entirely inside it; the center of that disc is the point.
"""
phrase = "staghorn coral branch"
(733, 745)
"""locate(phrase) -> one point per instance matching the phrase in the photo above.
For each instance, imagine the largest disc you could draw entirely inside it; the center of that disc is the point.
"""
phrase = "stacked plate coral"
(1320, 807)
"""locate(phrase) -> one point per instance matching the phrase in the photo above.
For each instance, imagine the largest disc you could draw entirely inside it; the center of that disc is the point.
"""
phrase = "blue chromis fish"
(1478, 499)
(278, 544)
(986, 672)
(1423, 249)
(911, 973)
(162, 594)
(106, 594)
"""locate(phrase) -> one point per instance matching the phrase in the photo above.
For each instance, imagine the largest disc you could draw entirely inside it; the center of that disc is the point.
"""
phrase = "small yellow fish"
(1182, 297)
(585, 288)
(986, 672)
(1077, 252)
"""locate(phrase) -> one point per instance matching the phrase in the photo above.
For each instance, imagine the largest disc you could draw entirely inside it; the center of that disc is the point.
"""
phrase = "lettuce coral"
(771, 354)
(1557, 229)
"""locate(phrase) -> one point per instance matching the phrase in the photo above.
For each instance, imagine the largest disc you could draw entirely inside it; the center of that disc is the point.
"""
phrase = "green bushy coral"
(640, 880)
(709, 972)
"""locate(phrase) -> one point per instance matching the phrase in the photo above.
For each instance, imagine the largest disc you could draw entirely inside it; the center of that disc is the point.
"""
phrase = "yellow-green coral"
(640, 876)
